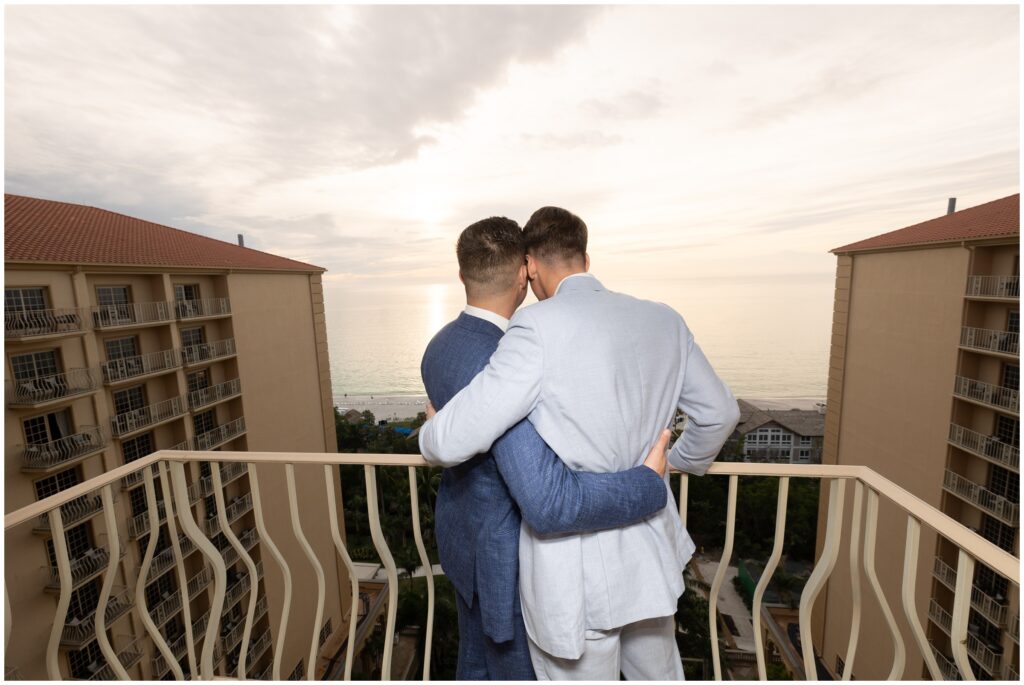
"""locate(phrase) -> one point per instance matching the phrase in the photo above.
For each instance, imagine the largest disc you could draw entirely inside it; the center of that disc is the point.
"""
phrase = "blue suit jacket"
(476, 517)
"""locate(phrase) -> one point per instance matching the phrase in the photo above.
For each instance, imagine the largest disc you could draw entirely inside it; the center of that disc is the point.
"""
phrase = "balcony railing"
(139, 524)
(58, 453)
(128, 657)
(989, 340)
(165, 559)
(179, 646)
(132, 314)
(31, 392)
(840, 484)
(1014, 628)
(989, 607)
(144, 417)
(86, 565)
(997, 397)
(204, 352)
(124, 368)
(235, 510)
(43, 322)
(77, 632)
(983, 654)
(220, 434)
(968, 490)
(946, 666)
(986, 446)
(1002, 287)
(193, 309)
(234, 635)
(216, 393)
(73, 512)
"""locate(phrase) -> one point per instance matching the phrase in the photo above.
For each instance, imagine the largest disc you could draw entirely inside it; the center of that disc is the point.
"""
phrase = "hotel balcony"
(238, 508)
(987, 395)
(128, 657)
(993, 287)
(88, 564)
(133, 314)
(987, 447)
(233, 635)
(79, 631)
(146, 417)
(228, 473)
(220, 435)
(1000, 343)
(45, 390)
(39, 324)
(75, 511)
(946, 666)
(846, 486)
(139, 525)
(178, 647)
(1003, 509)
(206, 352)
(240, 587)
(216, 393)
(989, 607)
(202, 309)
(164, 560)
(59, 454)
(140, 366)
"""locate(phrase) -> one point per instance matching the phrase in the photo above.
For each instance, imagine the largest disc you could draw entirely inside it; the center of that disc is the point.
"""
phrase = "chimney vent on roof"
(241, 240)
(952, 206)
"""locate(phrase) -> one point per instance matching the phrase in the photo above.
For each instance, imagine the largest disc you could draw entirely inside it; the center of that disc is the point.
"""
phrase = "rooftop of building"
(996, 219)
(46, 231)
(805, 422)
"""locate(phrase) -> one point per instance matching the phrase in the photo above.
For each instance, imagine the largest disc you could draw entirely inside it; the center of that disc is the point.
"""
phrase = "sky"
(696, 142)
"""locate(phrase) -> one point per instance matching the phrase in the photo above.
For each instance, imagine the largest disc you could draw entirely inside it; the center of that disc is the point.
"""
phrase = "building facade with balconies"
(124, 337)
(923, 388)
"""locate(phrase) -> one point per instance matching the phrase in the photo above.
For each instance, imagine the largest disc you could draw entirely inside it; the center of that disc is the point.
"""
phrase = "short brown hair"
(556, 233)
(490, 253)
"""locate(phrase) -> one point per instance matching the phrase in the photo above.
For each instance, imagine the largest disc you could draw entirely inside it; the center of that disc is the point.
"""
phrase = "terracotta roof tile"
(994, 219)
(46, 231)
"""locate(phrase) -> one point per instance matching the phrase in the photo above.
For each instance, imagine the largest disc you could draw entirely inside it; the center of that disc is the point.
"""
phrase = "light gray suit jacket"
(600, 375)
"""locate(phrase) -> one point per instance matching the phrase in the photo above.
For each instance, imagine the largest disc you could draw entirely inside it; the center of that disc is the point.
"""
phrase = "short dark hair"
(490, 253)
(553, 233)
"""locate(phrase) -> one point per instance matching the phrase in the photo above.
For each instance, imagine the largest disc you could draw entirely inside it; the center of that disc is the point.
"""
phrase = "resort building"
(124, 337)
(786, 436)
(923, 389)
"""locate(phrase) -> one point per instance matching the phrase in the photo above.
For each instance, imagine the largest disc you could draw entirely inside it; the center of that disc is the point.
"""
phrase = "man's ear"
(523, 278)
(461, 279)
(586, 261)
(531, 267)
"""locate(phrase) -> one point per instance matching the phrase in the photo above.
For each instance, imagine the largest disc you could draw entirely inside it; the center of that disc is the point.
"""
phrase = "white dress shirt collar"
(487, 315)
(582, 273)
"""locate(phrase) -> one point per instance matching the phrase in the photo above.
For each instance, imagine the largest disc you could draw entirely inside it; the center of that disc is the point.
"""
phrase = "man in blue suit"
(482, 502)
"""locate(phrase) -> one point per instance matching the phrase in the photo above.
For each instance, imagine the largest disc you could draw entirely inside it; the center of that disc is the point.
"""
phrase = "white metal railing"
(73, 512)
(839, 485)
(204, 352)
(993, 286)
(143, 417)
(166, 558)
(29, 392)
(191, 309)
(50, 455)
(178, 648)
(238, 508)
(89, 563)
(968, 490)
(131, 314)
(77, 632)
(28, 323)
(220, 434)
(128, 657)
(124, 368)
(994, 396)
(946, 666)
(214, 393)
(139, 524)
(989, 607)
(983, 654)
(1014, 628)
(234, 635)
(989, 340)
(986, 446)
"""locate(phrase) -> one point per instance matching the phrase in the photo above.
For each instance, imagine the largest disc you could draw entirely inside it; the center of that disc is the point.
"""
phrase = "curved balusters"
(822, 570)
(60, 551)
(870, 533)
(425, 560)
(110, 519)
(140, 586)
(170, 506)
(961, 612)
(381, 545)
(909, 601)
(723, 566)
(250, 565)
(293, 507)
(851, 648)
(769, 570)
(286, 572)
(332, 512)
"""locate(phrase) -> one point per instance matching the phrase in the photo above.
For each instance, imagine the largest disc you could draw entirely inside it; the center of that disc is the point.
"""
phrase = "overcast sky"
(695, 142)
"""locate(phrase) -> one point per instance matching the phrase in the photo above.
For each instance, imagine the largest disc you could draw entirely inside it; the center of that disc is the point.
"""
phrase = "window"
(1004, 483)
(79, 542)
(40, 430)
(205, 422)
(56, 483)
(119, 348)
(160, 589)
(192, 336)
(137, 497)
(1011, 376)
(198, 380)
(805, 440)
(1008, 431)
(996, 532)
(163, 541)
(129, 399)
(991, 583)
(86, 661)
(25, 299)
(137, 447)
(84, 600)
(35, 365)
(787, 439)
(805, 455)
(112, 295)
(183, 291)
(1013, 322)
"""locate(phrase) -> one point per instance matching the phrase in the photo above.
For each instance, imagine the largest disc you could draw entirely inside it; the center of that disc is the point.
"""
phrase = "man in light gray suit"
(599, 374)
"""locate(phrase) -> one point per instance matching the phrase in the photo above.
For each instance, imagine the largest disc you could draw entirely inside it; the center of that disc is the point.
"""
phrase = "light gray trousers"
(645, 650)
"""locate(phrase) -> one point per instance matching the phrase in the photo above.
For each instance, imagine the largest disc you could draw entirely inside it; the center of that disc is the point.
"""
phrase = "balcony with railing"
(164, 560)
(132, 314)
(235, 510)
(847, 487)
(1003, 509)
(35, 324)
(146, 417)
(215, 393)
(1014, 628)
(986, 394)
(202, 309)
(127, 657)
(205, 352)
(44, 390)
(993, 287)
(140, 366)
(987, 447)
(220, 435)
(74, 512)
(139, 524)
(993, 609)
(86, 565)
(178, 647)
(61, 453)
(79, 631)
(987, 340)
